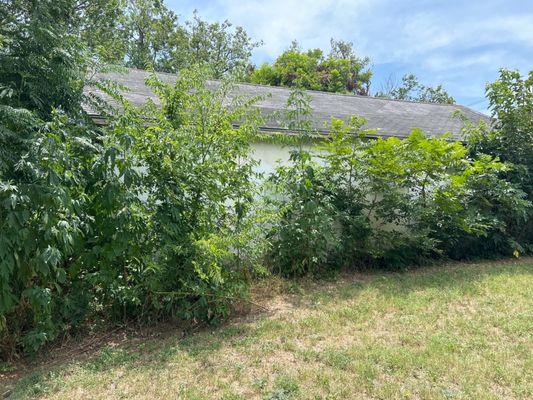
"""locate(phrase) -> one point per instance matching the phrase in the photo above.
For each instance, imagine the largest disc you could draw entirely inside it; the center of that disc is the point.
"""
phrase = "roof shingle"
(388, 117)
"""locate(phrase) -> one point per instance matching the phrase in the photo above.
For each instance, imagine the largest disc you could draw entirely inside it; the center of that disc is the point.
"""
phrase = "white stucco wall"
(269, 154)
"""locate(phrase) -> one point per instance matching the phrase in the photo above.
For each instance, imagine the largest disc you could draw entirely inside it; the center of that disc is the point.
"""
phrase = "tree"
(219, 47)
(146, 34)
(510, 138)
(46, 147)
(341, 71)
(411, 89)
(42, 65)
(99, 24)
(346, 70)
(152, 33)
(101, 27)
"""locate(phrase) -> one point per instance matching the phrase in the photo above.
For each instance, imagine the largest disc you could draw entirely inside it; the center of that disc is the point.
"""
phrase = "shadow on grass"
(155, 354)
(461, 277)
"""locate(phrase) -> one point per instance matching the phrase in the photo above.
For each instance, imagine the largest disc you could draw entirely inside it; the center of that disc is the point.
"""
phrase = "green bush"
(303, 236)
(388, 202)
(132, 221)
(424, 198)
(157, 214)
(510, 139)
(198, 183)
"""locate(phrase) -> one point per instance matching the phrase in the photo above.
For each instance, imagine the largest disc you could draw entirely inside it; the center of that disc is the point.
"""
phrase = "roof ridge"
(474, 111)
(287, 88)
(149, 72)
(345, 94)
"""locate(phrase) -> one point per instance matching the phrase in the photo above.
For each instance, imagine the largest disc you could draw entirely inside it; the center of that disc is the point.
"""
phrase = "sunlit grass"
(461, 331)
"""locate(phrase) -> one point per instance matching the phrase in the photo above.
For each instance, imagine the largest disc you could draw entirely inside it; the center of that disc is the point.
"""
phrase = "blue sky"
(460, 44)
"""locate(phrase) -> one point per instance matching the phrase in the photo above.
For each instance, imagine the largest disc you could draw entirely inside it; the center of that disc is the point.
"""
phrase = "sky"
(460, 44)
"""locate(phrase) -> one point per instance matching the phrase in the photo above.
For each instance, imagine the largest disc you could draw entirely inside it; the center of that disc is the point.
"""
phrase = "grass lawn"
(459, 331)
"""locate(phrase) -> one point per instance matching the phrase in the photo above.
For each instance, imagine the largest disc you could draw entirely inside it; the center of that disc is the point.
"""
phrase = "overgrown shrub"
(343, 176)
(158, 215)
(133, 221)
(424, 198)
(389, 202)
(199, 185)
(43, 158)
(303, 237)
(510, 138)
(42, 219)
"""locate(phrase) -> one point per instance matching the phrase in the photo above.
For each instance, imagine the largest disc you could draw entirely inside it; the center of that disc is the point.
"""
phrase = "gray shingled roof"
(389, 117)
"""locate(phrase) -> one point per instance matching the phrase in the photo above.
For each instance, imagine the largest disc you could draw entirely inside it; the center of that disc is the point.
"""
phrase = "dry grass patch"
(460, 331)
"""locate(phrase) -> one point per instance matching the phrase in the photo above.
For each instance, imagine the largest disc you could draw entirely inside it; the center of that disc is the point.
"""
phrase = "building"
(388, 117)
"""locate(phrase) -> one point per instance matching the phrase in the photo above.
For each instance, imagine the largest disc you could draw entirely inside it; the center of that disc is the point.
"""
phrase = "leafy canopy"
(341, 71)
(147, 34)
(510, 138)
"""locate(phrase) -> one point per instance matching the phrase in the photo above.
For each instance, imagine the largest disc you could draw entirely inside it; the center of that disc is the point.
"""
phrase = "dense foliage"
(393, 202)
(152, 37)
(143, 222)
(113, 221)
(42, 166)
(191, 169)
(511, 140)
(341, 71)
(42, 65)
(147, 34)
(159, 214)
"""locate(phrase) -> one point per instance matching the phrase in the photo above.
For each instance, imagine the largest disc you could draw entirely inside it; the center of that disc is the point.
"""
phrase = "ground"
(457, 331)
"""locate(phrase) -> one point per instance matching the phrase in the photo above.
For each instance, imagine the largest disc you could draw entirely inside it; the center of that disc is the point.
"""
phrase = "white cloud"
(445, 61)
(278, 22)
(458, 43)
(416, 33)
(387, 30)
